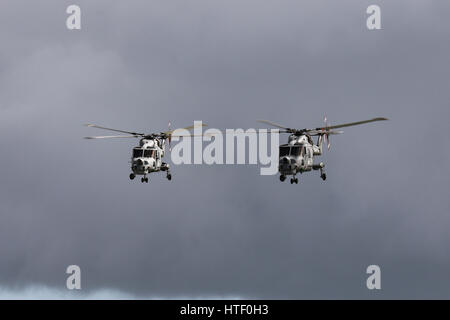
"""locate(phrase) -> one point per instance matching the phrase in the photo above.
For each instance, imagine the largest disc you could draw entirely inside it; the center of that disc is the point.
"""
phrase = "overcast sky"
(224, 231)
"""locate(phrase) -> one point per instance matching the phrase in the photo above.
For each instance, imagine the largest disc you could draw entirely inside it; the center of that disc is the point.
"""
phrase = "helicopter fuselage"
(297, 156)
(147, 157)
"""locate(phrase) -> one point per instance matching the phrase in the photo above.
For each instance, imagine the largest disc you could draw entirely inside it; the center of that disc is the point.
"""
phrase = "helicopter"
(297, 156)
(147, 157)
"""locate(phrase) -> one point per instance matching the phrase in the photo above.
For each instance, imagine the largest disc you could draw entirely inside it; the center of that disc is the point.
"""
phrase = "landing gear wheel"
(142, 180)
(292, 181)
(282, 178)
(296, 180)
(132, 176)
(323, 176)
(169, 177)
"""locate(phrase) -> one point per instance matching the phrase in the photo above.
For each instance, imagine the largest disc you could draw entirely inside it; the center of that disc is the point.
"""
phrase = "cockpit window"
(284, 151)
(149, 153)
(296, 150)
(137, 153)
(293, 151)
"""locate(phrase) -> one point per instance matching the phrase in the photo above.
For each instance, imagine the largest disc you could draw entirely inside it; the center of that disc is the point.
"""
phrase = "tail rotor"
(169, 138)
(326, 134)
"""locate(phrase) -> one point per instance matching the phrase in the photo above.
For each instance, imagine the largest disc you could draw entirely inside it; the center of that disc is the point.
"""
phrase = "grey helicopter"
(147, 157)
(297, 156)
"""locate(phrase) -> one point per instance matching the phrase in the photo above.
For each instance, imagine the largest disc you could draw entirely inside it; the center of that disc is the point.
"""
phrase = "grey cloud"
(225, 230)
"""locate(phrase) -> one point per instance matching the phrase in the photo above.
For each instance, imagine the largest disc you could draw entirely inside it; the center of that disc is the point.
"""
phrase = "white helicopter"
(147, 156)
(297, 156)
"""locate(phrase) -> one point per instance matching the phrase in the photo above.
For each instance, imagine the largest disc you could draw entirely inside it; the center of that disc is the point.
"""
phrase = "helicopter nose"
(139, 162)
(287, 164)
(285, 160)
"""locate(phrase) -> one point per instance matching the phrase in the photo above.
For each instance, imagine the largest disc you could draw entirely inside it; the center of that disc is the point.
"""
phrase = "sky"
(224, 231)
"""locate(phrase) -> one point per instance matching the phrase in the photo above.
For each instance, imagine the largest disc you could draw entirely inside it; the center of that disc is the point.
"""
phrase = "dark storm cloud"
(225, 230)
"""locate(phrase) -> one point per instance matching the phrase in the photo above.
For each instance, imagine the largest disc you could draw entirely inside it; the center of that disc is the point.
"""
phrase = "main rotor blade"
(352, 123)
(318, 133)
(273, 124)
(186, 128)
(335, 132)
(194, 135)
(219, 133)
(107, 137)
(195, 126)
(116, 130)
